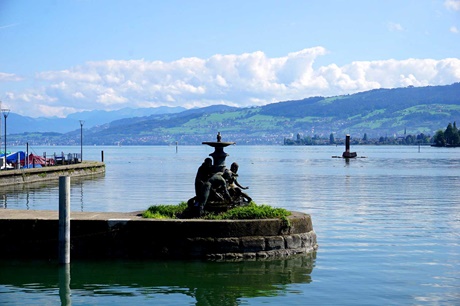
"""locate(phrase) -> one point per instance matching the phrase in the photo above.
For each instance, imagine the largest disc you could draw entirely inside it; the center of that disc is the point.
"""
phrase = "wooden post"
(64, 220)
(102, 156)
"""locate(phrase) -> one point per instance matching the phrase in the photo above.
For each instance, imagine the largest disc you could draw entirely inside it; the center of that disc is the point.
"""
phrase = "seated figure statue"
(208, 183)
(220, 189)
(235, 189)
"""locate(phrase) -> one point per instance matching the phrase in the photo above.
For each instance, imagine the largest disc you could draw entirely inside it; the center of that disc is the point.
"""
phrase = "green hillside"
(377, 113)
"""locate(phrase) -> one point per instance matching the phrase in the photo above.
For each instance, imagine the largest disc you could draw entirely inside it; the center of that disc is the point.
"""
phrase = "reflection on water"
(23, 192)
(387, 223)
(64, 284)
(31, 194)
(204, 283)
(137, 177)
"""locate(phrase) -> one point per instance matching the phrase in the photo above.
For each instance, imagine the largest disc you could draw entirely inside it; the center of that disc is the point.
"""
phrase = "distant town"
(450, 137)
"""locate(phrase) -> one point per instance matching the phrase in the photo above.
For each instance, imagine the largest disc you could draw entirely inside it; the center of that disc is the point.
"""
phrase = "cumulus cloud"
(454, 30)
(239, 80)
(452, 4)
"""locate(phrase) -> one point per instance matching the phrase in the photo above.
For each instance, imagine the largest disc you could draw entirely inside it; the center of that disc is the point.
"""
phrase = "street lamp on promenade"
(5, 112)
(81, 139)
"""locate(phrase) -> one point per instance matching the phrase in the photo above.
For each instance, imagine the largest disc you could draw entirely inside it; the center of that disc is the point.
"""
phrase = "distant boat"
(36, 161)
(17, 159)
(8, 166)
(12, 159)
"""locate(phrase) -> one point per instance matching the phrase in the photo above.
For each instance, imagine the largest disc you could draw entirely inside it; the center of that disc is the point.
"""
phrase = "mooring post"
(64, 219)
(27, 157)
(102, 156)
(347, 143)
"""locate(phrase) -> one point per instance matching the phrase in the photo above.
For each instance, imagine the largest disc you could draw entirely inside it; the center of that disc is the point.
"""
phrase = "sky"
(59, 57)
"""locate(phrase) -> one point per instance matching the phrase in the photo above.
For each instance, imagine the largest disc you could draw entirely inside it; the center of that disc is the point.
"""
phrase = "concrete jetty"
(33, 234)
(32, 175)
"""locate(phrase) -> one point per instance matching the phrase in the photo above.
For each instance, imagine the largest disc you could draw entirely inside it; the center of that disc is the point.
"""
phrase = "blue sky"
(61, 57)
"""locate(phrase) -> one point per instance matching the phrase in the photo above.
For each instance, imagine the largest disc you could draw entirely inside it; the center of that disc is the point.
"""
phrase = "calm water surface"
(388, 229)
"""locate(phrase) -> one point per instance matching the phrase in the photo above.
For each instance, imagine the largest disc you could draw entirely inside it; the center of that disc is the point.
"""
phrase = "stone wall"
(150, 238)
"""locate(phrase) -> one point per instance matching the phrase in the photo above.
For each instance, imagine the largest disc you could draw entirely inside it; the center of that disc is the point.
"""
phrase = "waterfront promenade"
(19, 214)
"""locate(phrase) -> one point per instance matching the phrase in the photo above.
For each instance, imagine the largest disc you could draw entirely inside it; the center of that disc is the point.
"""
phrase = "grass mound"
(251, 211)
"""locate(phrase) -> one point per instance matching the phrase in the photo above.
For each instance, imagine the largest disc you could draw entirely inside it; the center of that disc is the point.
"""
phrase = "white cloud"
(78, 95)
(55, 111)
(9, 77)
(394, 27)
(238, 80)
(110, 97)
(454, 30)
(452, 4)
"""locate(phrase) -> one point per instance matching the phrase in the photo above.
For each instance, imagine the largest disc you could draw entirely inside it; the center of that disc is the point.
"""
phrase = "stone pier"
(32, 234)
(33, 175)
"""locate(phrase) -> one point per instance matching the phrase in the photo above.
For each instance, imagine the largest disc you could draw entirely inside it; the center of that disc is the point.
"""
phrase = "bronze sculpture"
(217, 188)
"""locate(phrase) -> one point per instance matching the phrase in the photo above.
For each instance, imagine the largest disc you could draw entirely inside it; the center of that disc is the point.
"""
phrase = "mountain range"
(379, 112)
(20, 124)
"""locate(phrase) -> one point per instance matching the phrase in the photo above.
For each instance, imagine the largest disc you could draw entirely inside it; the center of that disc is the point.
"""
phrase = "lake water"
(388, 229)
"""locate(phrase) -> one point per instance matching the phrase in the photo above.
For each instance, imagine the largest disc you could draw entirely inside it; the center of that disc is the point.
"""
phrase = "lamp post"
(5, 112)
(81, 139)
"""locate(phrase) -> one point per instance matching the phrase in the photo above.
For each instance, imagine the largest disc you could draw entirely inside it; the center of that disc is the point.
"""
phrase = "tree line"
(365, 140)
(450, 137)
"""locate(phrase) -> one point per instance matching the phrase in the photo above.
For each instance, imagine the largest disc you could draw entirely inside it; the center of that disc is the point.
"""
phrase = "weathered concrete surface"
(23, 176)
(34, 234)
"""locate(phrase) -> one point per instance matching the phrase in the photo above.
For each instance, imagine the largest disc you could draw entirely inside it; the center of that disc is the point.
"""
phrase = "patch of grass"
(165, 211)
(251, 211)
(374, 113)
(330, 100)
